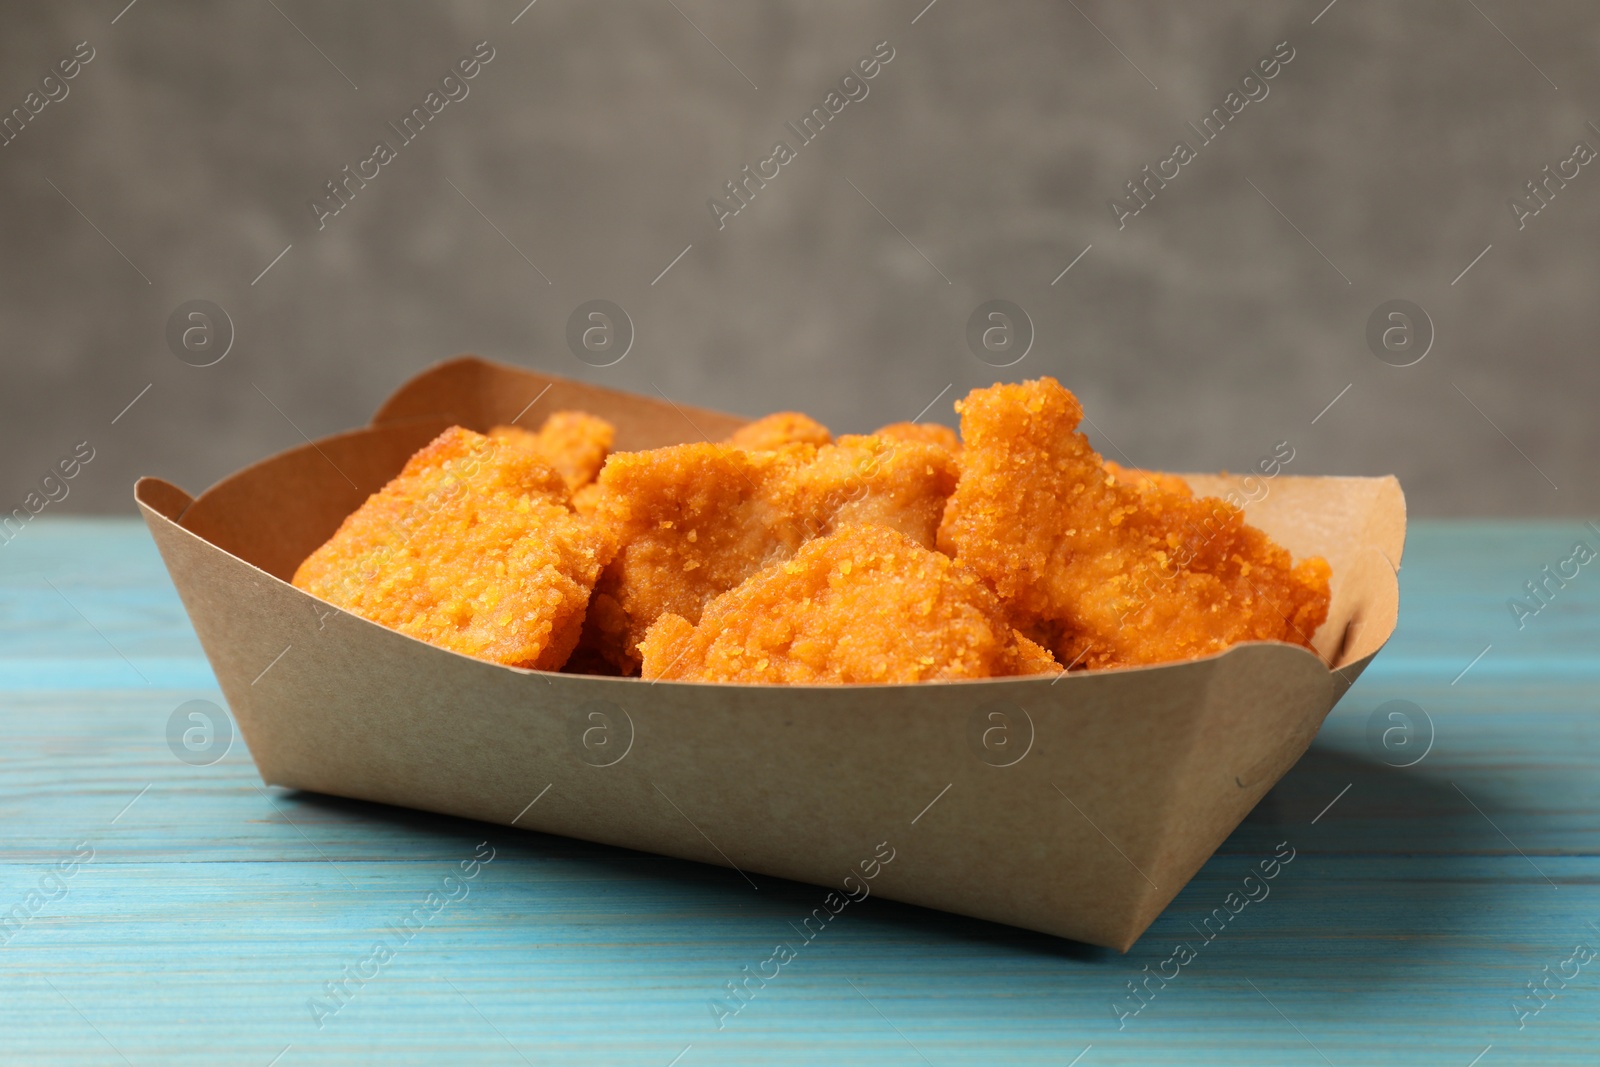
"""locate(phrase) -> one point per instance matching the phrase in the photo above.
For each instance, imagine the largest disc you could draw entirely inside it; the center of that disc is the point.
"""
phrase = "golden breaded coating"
(693, 521)
(861, 479)
(575, 443)
(865, 604)
(690, 521)
(778, 430)
(472, 547)
(1102, 573)
(1033, 658)
(931, 433)
(586, 499)
(1143, 479)
(517, 437)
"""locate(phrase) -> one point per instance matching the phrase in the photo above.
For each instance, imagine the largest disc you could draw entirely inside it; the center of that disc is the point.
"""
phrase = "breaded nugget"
(472, 547)
(693, 521)
(1143, 479)
(575, 443)
(866, 604)
(931, 433)
(1102, 573)
(778, 430)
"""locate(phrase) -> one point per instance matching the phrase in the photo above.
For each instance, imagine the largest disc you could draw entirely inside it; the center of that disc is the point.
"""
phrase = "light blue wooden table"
(168, 913)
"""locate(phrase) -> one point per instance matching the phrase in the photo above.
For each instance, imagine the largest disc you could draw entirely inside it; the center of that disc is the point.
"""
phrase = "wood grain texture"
(213, 910)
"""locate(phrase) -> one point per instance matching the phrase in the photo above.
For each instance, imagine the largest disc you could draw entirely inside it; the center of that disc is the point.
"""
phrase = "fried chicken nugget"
(865, 604)
(575, 443)
(1106, 574)
(1143, 479)
(693, 521)
(778, 430)
(472, 547)
(931, 433)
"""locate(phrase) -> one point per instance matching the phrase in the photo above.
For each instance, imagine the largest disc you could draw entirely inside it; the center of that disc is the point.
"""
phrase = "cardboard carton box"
(1077, 805)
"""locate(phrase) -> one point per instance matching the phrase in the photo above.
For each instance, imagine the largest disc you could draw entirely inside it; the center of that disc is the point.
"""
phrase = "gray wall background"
(1212, 327)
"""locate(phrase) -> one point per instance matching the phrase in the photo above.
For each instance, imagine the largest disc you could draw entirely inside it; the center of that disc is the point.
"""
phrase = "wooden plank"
(1415, 910)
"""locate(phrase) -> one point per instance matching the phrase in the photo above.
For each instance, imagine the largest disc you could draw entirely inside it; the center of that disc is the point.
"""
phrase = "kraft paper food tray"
(1076, 806)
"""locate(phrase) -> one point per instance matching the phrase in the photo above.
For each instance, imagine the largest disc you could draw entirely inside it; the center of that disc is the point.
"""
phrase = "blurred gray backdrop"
(1225, 317)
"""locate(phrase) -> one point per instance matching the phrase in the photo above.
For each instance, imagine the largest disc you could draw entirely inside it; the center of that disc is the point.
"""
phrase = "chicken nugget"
(778, 430)
(1102, 573)
(931, 433)
(575, 443)
(693, 521)
(865, 604)
(472, 547)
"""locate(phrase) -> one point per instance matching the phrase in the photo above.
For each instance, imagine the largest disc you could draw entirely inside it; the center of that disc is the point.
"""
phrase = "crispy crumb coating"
(1032, 657)
(693, 521)
(472, 547)
(779, 429)
(865, 604)
(1102, 573)
(575, 443)
(861, 479)
(931, 433)
(586, 499)
(1144, 480)
(690, 521)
